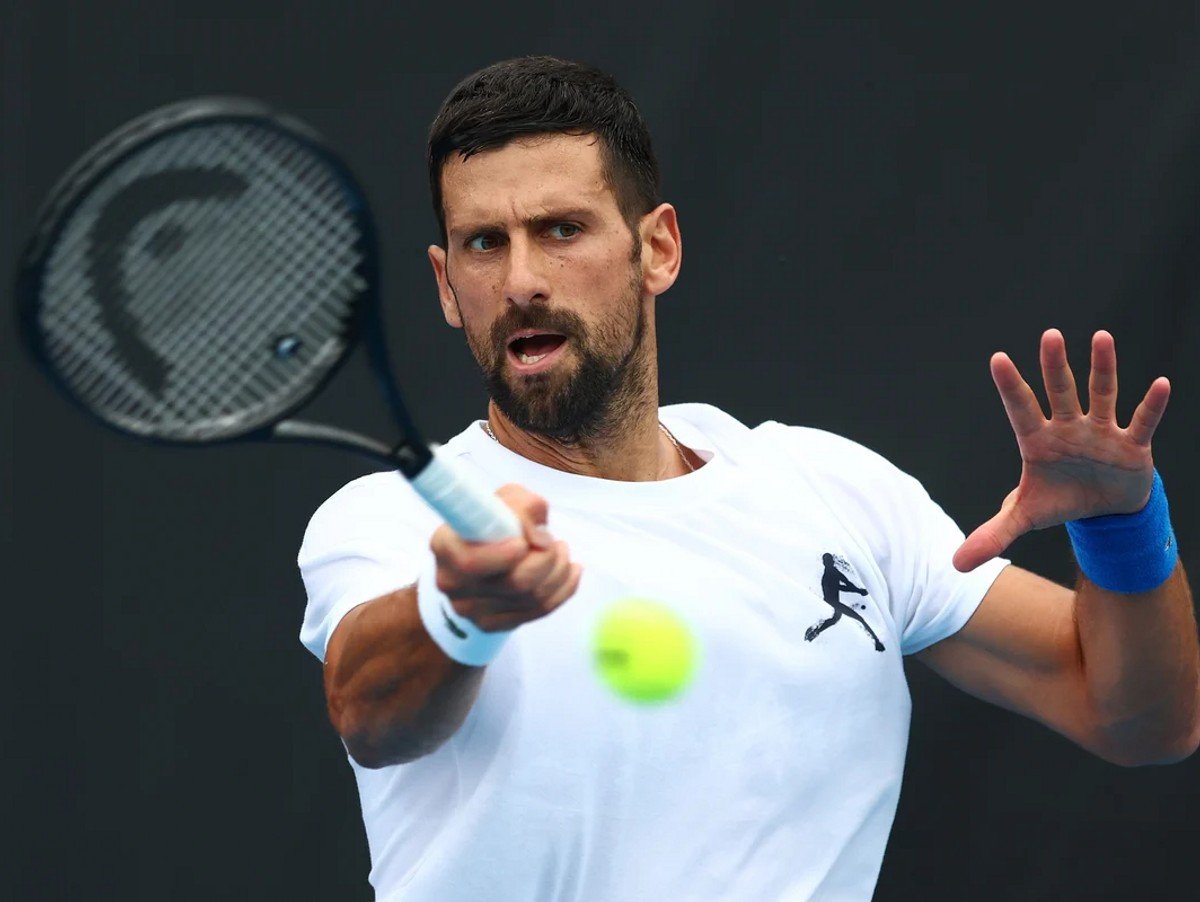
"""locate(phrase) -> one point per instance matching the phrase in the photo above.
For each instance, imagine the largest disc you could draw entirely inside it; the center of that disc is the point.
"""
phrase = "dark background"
(872, 204)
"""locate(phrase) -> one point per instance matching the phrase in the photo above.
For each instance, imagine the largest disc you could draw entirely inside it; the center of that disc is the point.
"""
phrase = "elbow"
(1137, 746)
(372, 744)
(369, 757)
(365, 753)
(1184, 747)
(1150, 757)
(371, 753)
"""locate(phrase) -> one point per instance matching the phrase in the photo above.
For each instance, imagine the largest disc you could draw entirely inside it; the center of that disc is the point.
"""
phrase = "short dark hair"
(536, 95)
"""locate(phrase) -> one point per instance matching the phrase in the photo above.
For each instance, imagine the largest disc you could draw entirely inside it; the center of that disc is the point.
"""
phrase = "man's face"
(541, 271)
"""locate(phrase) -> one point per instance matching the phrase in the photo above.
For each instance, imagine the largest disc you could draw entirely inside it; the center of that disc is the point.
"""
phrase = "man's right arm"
(393, 694)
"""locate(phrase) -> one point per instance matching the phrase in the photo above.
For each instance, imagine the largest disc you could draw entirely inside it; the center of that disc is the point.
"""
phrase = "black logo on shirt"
(833, 584)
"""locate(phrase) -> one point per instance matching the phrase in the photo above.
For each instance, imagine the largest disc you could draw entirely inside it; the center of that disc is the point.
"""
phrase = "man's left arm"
(1115, 668)
(1116, 673)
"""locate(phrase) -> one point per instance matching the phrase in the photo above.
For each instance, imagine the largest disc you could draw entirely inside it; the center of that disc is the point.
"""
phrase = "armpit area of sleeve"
(968, 592)
(314, 634)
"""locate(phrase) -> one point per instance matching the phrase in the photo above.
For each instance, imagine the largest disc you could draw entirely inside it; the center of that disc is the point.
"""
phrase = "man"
(491, 762)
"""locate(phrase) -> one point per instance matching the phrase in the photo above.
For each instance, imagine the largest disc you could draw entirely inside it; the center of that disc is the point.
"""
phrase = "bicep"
(1020, 650)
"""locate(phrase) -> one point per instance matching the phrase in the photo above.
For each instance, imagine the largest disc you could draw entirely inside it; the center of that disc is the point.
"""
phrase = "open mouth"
(531, 351)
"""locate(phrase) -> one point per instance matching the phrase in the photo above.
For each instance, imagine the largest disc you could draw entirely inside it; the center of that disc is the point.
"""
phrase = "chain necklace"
(487, 427)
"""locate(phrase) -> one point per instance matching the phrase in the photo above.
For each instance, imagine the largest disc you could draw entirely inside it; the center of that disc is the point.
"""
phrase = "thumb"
(532, 511)
(988, 540)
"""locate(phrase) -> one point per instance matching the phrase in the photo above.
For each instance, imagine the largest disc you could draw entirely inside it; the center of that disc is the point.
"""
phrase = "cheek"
(601, 282)
(476, 298)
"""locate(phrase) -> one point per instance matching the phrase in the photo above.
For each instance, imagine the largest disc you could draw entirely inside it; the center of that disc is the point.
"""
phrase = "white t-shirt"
(774, 776)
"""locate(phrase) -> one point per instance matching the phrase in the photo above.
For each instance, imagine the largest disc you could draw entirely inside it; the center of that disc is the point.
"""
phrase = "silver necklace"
(487, 427)
(687, 463)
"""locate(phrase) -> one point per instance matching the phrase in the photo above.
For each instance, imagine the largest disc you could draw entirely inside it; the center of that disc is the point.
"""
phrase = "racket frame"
(410, 454)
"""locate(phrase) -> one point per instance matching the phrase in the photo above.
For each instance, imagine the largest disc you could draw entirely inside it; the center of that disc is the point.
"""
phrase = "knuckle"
(523, 500)
(448, 554)
(538, 507)
(524, 503)
(509, 493)
(440, 541)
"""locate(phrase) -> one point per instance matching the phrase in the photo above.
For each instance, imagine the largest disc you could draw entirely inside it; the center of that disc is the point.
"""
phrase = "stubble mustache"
(544, 319)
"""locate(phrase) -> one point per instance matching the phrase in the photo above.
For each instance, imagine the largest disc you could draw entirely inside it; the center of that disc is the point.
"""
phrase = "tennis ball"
(644, 651)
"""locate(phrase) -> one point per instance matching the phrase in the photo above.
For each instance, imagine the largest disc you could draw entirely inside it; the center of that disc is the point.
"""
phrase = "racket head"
(201, 273)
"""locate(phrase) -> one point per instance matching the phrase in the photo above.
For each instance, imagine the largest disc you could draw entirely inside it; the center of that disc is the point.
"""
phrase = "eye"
(485, 242)
(565, 230)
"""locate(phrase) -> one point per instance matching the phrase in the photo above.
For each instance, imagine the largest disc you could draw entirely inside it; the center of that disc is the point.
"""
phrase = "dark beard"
(594, 398)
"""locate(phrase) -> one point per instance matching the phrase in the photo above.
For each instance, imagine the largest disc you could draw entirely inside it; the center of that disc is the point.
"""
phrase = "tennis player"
(492, 763)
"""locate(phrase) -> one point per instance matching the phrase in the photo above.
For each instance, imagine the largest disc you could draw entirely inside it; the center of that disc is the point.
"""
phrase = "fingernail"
(542, 537)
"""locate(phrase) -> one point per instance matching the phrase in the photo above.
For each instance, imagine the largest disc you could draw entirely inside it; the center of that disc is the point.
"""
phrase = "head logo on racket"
(108, 251)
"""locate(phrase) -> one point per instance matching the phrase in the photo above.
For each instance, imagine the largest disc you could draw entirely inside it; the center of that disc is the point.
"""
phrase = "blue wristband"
(1128, 552)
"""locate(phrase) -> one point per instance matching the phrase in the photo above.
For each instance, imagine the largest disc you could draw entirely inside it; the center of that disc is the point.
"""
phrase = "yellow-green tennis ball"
(644, 651)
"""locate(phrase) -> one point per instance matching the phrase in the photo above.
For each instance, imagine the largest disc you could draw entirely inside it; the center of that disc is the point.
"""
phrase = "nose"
(525, 281)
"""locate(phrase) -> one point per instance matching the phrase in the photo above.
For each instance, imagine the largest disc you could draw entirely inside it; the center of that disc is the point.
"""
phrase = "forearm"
(1141, 666)
(393, 694)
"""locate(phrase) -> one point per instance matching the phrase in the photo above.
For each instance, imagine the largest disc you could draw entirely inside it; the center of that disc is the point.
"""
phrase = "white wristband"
(457, 636)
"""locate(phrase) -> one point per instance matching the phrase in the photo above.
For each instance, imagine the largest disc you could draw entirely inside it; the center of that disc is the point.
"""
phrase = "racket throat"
(409, 457)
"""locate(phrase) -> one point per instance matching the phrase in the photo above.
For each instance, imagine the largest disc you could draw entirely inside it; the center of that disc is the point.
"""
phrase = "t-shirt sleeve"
(910, 537)
(369, 539)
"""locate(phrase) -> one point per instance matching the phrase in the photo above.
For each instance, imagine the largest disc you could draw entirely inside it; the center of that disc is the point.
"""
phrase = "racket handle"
(471, 510)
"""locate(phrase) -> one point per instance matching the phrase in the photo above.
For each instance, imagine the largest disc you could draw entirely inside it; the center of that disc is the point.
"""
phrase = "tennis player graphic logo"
(833, 584)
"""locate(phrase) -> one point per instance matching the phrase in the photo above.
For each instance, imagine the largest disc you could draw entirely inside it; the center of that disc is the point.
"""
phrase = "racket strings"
(287, 241)
(238, 279)
(211, 286)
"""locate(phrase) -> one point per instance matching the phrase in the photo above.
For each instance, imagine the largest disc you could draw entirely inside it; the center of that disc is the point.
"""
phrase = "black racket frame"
(410, 454)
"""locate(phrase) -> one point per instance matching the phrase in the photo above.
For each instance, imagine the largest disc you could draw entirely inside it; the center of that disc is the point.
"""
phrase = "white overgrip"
(478, 516)
(465, 504)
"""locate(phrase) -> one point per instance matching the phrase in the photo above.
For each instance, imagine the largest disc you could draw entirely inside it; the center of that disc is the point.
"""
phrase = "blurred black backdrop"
(872, 202)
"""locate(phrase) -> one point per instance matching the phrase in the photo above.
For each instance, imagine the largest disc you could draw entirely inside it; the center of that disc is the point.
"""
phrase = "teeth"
(525, 358)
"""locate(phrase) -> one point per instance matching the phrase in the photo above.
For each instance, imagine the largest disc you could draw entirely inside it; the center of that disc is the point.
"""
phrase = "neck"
(631, 448)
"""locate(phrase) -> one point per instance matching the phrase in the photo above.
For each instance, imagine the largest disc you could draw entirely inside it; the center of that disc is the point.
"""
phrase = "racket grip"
(468, 507)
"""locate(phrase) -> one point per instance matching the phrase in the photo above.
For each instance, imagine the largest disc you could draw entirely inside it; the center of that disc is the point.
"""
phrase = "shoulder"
(827, 452)
(369, 491)
(814, 451)
(371, 505)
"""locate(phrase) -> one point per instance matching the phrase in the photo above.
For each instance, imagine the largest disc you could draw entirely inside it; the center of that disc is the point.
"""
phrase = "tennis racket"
(202, 272)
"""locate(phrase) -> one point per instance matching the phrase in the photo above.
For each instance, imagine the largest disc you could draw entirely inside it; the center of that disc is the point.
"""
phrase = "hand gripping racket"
(200, 275)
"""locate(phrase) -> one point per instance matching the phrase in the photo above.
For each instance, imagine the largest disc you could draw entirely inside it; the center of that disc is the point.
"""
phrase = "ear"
(662, 249)
(437, 258)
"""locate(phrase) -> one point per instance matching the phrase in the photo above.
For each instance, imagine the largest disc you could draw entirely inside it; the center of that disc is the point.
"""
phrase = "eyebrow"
(535, 222)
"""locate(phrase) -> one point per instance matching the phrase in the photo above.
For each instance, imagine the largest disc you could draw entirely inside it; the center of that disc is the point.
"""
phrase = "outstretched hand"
(1073, 465)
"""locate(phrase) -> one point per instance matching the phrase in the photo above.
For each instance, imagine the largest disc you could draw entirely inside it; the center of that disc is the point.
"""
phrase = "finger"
(988, 541)
(532, 510)
(539, 569)
(1102, 383)
(1057, 376)
(1020, 403)
(1150, 412)
(474, 559)
(568, 588)
(513, 618)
